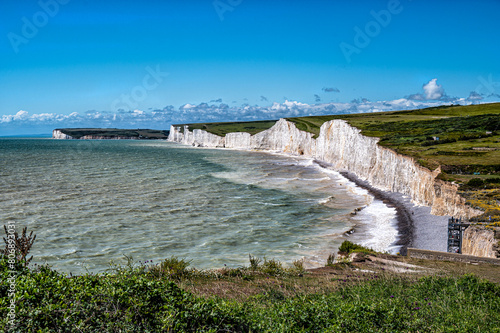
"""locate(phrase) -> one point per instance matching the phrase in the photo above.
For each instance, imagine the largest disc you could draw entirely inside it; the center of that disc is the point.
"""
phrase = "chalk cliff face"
(346, 149)
(481, 242)
(57, 134)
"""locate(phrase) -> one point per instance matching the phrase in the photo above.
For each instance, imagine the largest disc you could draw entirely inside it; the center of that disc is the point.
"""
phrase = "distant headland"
(109, 134)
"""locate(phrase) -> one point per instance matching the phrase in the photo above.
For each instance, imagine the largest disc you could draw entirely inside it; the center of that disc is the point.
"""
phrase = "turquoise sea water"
(92, 202)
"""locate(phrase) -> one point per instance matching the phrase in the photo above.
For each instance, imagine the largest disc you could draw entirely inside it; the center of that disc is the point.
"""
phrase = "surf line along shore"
(367, 231)
(405, 223)
(416, 226)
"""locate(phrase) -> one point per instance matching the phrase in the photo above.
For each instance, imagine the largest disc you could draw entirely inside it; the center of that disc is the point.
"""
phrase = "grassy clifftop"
(461, 139)
(221, 129)
(453, 136)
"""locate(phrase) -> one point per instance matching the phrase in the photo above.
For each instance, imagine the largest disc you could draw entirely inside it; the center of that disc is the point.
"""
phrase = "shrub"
(272, 267)
(298, 266)
(173, 268)
(254, 262)
(330, 260)
(349, 247)
(495, 180)
(22, 245)
(475, 182)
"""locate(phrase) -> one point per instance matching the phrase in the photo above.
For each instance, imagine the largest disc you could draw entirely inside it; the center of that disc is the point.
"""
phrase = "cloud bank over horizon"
(25, 122)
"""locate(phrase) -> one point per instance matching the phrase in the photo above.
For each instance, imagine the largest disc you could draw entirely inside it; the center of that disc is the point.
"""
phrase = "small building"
(456, 229)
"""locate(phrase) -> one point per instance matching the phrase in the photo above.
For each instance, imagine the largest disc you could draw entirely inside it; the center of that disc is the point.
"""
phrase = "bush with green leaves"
(50, 301)
(475, 182)
(173, 268)
(348, 247)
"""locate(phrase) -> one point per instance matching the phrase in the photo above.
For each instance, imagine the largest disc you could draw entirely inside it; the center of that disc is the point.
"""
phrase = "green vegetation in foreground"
(77, 133)
(264, 297)
(134, 299)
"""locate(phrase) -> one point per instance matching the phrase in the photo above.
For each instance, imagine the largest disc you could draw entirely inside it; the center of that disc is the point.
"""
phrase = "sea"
(94, 203)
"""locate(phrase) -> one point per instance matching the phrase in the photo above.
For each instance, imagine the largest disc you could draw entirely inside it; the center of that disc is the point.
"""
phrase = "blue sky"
(71, 63)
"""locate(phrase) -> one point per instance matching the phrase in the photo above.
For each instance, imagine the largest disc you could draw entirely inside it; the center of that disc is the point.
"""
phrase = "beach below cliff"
(417, 227)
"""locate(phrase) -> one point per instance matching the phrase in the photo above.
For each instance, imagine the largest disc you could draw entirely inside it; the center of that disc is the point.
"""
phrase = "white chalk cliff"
(343, 146)
(57, 134)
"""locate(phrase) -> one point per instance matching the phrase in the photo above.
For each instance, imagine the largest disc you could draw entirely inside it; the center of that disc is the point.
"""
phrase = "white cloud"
(41, 117)
(432, 90)
(289, 105)
(416, 97)
(21, 115)
(432, 95)
(138, 113)
(188, 106)
(6, 119)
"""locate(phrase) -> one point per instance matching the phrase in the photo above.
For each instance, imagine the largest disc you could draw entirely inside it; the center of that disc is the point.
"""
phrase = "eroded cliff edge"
(346, 149)
(481, 242)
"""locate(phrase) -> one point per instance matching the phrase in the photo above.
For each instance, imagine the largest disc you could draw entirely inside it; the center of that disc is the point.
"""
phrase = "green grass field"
(222, 129)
